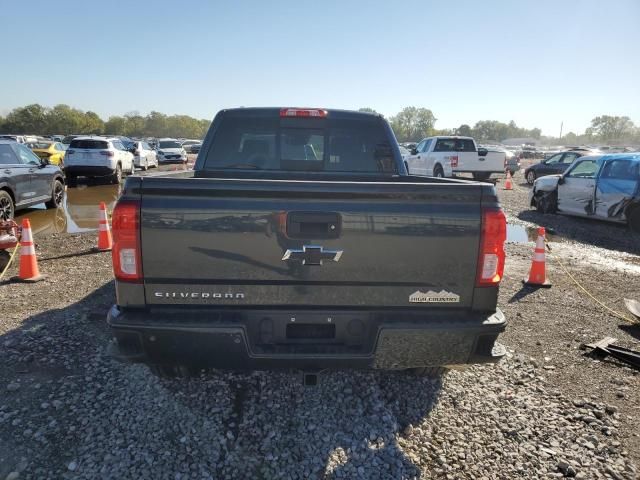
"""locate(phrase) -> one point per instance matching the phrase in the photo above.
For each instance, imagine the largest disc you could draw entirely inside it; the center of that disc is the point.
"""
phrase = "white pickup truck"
(447, 156)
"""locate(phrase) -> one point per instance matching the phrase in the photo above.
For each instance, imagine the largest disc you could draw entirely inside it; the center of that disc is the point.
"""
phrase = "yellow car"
(52, 151)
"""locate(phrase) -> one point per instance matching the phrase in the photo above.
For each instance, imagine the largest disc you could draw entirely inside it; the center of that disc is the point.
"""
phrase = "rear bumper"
(88, 170)
(172, 160)
(269, 339)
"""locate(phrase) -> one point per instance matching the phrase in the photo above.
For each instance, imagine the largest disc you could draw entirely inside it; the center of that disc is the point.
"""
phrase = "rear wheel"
(438, 172)
(634, 220)
(117, 175)
(531, 177)
(57, 195)
(7, 209)
(429, 371)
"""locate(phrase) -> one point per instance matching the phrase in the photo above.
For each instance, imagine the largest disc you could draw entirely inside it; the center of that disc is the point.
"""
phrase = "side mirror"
(561, 180)
(414, 151)
(482, 152)
(44, 162)
(406, 166)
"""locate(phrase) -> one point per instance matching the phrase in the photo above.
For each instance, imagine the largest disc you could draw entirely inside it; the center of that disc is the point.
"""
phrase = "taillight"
(108, 153)
(454, 160)
(127, 266)
(491, 257)
(303, 112)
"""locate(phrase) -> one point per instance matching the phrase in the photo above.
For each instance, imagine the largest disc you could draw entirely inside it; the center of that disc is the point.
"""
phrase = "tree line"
(411, 124)
(64, 120)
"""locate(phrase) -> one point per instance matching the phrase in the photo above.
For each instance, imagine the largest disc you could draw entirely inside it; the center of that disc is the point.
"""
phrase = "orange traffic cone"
(105, 242)
(537, 273)
(29, 271)
(508, 184)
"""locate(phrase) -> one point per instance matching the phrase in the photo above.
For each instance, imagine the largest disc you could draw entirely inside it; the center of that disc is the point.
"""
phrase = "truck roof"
(452, 136)
(275, 111)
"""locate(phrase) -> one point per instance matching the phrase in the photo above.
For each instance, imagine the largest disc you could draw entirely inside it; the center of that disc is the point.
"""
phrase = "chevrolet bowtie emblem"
(312, 255)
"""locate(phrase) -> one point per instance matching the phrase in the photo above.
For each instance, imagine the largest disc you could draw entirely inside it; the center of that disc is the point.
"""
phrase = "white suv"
(97, 157)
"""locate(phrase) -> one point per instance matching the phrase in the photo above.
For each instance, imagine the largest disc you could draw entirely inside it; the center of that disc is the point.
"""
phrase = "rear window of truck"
(454, 145)
(327, 145)
(89, 144)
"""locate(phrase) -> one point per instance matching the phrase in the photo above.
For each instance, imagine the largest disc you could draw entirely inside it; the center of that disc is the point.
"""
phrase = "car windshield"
(331, 145)
(170, 144)
(41, 145)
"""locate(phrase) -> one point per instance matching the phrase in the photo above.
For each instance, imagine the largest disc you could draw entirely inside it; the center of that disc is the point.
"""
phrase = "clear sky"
(536, 62)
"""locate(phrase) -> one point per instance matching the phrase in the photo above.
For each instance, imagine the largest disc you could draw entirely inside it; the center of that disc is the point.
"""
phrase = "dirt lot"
(67, 410)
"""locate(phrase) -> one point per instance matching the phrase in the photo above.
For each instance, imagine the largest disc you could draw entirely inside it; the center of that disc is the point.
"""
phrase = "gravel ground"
(67, 410)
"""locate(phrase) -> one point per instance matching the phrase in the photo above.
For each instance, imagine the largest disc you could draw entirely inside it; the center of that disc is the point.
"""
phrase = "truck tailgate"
(213, 241)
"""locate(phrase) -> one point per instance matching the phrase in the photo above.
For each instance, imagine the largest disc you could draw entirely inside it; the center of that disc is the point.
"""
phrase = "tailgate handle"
(315, 225)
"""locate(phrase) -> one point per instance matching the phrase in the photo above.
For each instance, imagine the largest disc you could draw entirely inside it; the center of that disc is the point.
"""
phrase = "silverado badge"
(434, 297)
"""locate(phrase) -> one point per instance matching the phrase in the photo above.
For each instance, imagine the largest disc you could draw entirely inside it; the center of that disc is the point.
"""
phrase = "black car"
(26, 180)
(553, 165)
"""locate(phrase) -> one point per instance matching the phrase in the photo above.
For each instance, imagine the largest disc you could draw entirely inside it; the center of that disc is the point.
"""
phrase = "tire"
(547, 203)
(634, 220)
(57, 194)
(438, 172)
(7, 208)
(481, 176)
(531, 177)
(429, 371)
(116, 178)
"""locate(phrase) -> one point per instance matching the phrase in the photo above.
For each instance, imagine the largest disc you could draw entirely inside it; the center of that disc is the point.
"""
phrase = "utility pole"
(561, 125)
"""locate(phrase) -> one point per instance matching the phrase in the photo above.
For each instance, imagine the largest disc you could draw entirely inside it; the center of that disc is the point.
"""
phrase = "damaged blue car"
(606, 187)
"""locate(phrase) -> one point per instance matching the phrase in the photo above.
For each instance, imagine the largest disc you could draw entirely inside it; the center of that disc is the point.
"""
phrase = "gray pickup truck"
(299, 241)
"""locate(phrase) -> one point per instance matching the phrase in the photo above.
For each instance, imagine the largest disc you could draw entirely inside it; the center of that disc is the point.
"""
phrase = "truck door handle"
(418, 157)
(314, 225)
(7, 171)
